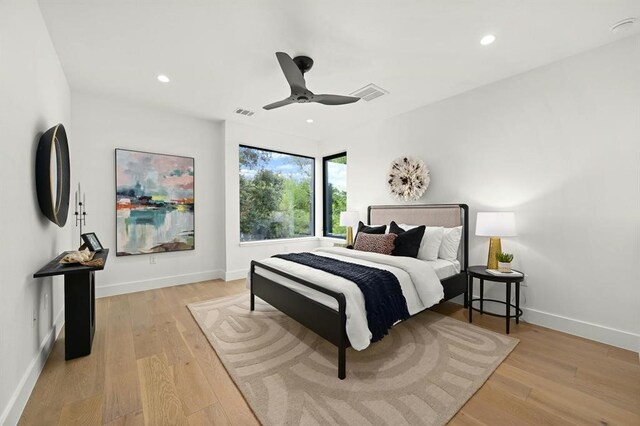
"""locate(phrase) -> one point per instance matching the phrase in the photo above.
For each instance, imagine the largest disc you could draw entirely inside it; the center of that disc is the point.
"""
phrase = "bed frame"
(331, 324)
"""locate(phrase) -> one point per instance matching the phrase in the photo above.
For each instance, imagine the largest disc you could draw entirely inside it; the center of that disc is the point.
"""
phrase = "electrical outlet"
(152, 259)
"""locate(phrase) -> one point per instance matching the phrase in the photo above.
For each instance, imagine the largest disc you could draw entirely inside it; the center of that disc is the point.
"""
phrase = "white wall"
(239, 256)
(559, 146)
(102, 125)
(34, 96)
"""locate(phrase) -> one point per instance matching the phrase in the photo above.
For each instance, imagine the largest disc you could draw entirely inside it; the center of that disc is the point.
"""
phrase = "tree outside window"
(276, 195)
(335, 194)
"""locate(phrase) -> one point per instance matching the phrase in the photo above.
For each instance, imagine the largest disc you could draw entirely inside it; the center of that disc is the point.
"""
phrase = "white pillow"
(430, 244)
(450, 243)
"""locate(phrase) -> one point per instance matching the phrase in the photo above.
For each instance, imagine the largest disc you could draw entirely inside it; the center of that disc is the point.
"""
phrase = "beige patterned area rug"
(422, 373)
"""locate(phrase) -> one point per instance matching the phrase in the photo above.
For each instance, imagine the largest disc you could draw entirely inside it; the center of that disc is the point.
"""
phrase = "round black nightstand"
(481, 273)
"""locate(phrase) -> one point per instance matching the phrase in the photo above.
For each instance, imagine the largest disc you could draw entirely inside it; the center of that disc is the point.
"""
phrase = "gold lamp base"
(349, 235)
(495, 247)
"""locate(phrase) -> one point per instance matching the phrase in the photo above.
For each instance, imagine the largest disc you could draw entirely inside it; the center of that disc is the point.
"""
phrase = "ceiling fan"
(293, 70)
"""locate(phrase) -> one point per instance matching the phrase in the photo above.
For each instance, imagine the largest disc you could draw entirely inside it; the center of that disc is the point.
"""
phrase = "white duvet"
(418, 280)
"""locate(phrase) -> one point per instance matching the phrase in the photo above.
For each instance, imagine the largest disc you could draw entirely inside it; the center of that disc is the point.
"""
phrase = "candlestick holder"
(80, 212)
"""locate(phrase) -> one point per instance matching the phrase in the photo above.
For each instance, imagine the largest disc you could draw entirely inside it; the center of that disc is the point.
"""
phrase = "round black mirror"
(53, 175)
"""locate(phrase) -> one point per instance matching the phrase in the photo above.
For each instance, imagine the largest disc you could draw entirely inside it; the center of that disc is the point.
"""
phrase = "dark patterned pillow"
(408, 242)
(376, 243)
(364, 229)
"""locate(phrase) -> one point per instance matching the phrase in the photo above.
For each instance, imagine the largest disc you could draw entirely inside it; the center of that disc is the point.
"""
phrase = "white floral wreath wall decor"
(408, 178)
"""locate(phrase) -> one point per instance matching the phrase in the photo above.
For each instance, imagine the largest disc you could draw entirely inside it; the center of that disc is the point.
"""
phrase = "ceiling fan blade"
(334, 99)
(291, 72)
(278, 104)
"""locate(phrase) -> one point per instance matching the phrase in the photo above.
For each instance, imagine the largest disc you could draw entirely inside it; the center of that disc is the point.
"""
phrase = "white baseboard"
(236, 275)
(599, 333)
(134, 286)
(588, 330)
(13, 410)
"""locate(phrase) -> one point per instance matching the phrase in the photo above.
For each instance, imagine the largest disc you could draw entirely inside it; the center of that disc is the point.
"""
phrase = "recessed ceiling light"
(163, 78)
(487, 40)
(309, 120)
(623, 25)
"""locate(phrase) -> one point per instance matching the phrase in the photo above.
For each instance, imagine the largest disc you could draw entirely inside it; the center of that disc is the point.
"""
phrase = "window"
(334, 170)
(276, 195)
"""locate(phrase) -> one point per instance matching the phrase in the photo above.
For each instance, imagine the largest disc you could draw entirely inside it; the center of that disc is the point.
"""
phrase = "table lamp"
(349, 219)
(495, 225)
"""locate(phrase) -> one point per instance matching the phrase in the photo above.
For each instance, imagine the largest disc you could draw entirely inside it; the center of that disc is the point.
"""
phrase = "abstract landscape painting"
(154, 203)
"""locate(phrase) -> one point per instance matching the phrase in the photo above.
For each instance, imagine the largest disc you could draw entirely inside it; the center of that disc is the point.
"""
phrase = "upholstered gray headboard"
(447, 215)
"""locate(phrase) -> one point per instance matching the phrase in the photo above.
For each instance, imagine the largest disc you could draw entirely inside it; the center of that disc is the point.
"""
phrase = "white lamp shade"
(349, 218)
(496, 224)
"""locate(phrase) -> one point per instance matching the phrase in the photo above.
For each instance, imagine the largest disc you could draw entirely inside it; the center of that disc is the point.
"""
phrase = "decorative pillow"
(376, 243)
(408, 242)
(431, 241)
(369, 229)
(450, 243)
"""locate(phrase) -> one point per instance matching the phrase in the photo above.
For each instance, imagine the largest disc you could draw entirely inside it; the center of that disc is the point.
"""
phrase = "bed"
(323, 308)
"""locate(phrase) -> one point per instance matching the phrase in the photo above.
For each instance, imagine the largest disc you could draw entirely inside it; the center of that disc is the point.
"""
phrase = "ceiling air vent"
(243, 111)
(370, 92)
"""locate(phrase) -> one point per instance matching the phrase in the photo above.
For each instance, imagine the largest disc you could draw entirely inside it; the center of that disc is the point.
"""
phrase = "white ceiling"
(220, 54)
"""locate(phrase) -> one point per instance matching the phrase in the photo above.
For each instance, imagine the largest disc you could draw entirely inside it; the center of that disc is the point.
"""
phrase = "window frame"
(312, 184)
(326, 209)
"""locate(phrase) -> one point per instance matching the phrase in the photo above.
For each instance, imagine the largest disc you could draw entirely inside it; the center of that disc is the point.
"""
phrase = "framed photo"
(92, 242)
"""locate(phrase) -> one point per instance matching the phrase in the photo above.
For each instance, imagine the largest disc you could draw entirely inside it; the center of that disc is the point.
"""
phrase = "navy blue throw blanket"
(383, 298)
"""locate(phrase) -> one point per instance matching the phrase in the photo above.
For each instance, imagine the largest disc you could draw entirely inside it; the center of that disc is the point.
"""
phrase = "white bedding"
(444, 268)
(419, 281)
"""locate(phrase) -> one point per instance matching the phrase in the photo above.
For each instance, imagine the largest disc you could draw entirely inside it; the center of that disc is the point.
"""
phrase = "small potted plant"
(504, 262)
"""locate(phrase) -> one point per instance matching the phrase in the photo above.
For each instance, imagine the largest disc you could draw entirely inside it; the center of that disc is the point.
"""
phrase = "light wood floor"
(151, 365)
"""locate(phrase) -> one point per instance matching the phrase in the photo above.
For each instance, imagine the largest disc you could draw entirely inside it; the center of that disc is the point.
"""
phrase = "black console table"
(79, 302)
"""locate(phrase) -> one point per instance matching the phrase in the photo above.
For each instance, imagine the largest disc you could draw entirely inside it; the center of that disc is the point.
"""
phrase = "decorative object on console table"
(495, 225)
(91, 241)
(79, 256)
(504, 262)
(154, 203)
(81, 211)
(52, 175)
(408, 178)
(349, 219)
(79, 301)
